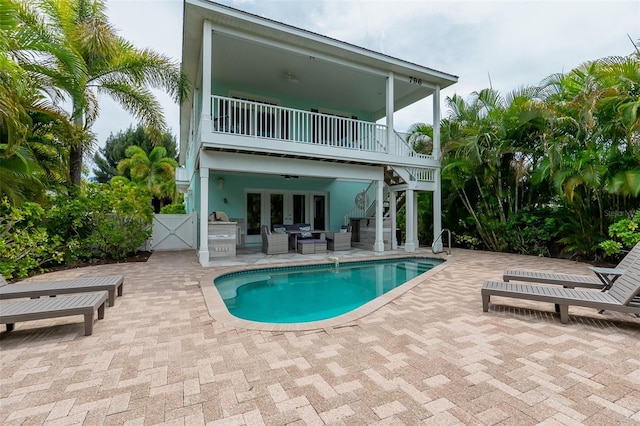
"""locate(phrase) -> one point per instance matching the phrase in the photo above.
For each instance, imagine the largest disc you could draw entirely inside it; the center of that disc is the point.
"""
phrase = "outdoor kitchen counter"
(222, 239)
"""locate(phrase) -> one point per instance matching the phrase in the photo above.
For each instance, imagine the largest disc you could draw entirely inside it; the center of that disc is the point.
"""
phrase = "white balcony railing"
(260, 120)
(403, 149)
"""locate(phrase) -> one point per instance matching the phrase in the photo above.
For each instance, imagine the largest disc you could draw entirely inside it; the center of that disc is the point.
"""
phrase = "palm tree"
(29, 78)
(114, 67)
(156, 170)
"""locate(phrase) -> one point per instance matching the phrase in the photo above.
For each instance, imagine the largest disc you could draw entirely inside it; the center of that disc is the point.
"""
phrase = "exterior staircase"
(365, 201)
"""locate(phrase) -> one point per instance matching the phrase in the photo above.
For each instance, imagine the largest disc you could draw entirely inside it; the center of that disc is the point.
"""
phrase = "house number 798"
(414, 80)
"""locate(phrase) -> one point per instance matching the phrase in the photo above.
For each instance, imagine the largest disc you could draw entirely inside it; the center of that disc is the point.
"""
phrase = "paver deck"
(430, 356)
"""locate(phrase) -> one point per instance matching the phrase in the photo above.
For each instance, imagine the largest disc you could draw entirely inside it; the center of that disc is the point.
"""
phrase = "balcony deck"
(244, 126)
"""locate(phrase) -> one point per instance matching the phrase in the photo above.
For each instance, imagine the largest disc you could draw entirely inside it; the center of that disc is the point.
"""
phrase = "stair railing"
(439, 238)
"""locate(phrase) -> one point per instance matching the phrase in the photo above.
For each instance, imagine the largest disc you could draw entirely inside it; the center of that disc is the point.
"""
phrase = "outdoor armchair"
(273, 243)
(339, 240)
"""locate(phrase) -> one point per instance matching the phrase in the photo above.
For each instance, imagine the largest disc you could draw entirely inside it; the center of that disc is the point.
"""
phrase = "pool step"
(229, 289)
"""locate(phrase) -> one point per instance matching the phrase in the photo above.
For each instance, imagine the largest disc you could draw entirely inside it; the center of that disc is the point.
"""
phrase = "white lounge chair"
(620, 297)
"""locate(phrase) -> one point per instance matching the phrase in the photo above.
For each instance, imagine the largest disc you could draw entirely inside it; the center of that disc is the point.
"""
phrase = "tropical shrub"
(25, 245)
(531, 231)
(173, 209)
(624, 233)
(121, 216)
(97, 222)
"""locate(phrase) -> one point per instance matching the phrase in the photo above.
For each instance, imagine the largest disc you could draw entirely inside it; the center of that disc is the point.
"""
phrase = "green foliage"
(155, 170)
(571, 143)
(121, 217)
(102, 221)
(624, 233)
(107, 221)
(25, 245)
(173, 209)
(467, 241)
(531, 231)
(107, 158)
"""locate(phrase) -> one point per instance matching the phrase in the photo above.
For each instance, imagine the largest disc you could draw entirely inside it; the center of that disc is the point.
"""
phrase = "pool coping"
(219, 312)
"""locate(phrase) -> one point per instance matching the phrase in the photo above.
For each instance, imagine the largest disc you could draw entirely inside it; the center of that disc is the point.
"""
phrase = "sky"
(499, 44)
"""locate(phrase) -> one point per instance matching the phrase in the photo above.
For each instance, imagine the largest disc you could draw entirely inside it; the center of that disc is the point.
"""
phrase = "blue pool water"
(317, 292)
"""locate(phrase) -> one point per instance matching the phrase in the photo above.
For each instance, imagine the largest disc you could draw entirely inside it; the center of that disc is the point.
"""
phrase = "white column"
(392, 215)
(379, 244)
(409, 243)
(437, 214)
(207, 64)
(437, 194)
(390, 97)
(436, 123)
(203, 254)
(416, 242)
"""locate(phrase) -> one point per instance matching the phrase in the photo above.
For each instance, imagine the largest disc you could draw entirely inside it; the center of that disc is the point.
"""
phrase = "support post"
(409, 243)
(416, 241)
(207, 65)
(437, 194)
(392, 215)
(203, 253)
(379, 244)
(391, 146)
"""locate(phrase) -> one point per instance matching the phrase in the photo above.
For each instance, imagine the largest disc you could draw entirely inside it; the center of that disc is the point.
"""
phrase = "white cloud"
(515, 42)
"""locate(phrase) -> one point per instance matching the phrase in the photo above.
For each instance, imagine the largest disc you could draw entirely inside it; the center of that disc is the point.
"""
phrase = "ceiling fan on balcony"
(290, 78)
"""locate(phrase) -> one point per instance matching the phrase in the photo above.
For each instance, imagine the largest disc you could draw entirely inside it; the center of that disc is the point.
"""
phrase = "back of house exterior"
(286, 126)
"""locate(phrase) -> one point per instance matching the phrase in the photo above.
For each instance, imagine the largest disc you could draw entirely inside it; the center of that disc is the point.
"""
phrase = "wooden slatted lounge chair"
(620, 297)
(602, 279)
(35, 309)
(54, 288)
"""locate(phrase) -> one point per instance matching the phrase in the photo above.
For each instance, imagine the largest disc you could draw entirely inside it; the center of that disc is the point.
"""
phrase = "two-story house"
(289, 126)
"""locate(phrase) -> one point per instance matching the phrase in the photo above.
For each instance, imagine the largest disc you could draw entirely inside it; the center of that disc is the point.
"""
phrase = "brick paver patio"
(431, 356)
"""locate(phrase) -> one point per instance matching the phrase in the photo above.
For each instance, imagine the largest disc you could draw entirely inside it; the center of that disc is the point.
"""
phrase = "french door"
(272, 207)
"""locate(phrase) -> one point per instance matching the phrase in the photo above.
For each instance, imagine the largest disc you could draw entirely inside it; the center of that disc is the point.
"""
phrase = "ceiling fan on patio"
(289, 78)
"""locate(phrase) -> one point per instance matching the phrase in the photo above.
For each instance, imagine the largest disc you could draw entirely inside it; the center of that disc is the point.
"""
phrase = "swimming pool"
(315, 292)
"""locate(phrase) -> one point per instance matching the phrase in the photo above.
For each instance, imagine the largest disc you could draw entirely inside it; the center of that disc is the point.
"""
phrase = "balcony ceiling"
(256, 53)
(283, 74)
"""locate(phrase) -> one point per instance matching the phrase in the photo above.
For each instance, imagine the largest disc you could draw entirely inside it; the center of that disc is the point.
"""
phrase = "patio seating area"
(430, 356)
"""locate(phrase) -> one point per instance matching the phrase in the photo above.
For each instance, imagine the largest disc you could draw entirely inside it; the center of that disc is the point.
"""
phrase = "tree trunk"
(76, 150)
(75, 164)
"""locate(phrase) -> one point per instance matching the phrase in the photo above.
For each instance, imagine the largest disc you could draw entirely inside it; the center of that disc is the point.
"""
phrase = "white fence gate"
(174, 232)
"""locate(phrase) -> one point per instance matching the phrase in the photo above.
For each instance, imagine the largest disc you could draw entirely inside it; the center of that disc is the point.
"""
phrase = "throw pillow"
(343, 230)
(304, 232)
(279, 230)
